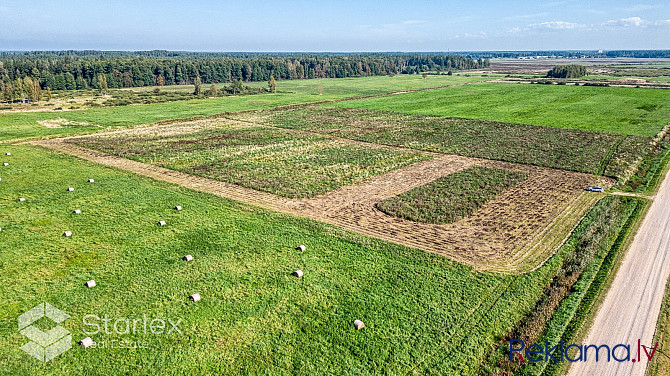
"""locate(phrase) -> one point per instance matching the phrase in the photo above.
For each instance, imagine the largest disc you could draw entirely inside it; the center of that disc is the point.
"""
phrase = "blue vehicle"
(595, 188)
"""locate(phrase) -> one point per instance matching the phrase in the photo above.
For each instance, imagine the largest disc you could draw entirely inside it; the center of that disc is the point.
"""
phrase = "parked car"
(595, 188)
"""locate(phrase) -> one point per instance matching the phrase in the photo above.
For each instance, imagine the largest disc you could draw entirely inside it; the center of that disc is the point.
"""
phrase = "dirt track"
(632, 305)
(514, 232)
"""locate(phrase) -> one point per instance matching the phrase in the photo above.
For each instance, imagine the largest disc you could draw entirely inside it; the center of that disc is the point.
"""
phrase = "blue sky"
(295, 25)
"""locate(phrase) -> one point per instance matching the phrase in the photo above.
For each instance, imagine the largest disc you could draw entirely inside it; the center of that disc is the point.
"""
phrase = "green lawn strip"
(568, 149)
(277, 161)
(641, 112)
(451, 198)
(254, 317)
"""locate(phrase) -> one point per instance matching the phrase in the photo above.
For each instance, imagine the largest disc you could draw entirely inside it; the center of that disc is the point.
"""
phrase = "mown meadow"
(453, 197)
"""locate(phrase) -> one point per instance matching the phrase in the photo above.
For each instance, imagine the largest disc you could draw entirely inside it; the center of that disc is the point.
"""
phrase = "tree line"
(567, 71)
(75, 70)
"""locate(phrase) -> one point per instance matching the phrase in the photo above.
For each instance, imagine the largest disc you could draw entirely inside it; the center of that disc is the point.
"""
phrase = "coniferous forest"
(73, 70)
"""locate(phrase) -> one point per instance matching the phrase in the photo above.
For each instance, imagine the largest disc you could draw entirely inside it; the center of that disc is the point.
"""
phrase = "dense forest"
(71, 70)
(567, 71)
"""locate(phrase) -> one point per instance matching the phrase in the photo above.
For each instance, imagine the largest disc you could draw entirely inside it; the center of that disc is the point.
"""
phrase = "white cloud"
(556, 25)
(413, 22)
(478, 35)
(627, 22)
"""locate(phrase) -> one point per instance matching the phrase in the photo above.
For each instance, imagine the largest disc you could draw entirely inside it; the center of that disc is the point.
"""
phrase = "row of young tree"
(59, 71)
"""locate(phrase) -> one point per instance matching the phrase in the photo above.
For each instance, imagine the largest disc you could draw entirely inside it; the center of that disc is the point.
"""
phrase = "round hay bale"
(0, 179)
(90, 283)
(177, 208)
(301, 248)
(70, 189)
(298, 273)
(77, 211)
(5, 164)
(91, 181)
(86, 342)
(195, 297)
(162, 223)
(21, 199)
(8, 153)
(67, 234)
(187, 258)
(358, 324)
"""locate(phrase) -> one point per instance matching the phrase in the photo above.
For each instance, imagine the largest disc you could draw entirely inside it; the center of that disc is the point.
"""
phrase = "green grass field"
(278, 161)
(568, 149)
(14, 125)
(642, 112)
(346, 86)
(452, 197)
(422, 312)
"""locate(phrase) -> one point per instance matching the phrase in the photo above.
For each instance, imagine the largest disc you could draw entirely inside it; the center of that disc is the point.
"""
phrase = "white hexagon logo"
(45, 345)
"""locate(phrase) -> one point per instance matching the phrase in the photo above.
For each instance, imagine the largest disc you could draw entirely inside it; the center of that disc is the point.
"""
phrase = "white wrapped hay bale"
(5, 164)
(86, 342)
(162, 223)
(298, 273)
(77, 211)
(177, 208)
(91, 181)
(301, 248)
(21, 199)
(358, 324)
(8, 153)
(187, 258)
(195, 297)
(67, 234)
(70, 189)
(90, 283)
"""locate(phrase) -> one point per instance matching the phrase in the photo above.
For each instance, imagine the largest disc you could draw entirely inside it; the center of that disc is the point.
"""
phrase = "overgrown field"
(283, 162)
(641, 112)
(254, 316)
(569, 149)
(452, 197)
(15, 125)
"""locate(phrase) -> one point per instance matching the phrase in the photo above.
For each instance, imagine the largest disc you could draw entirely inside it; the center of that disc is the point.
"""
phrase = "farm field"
(627, 111)
(278, 161)
(350, 86)
(453, 197)
(514, 231)
(569, 149)
(478, 218)
(17, 125)
(254, 316)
